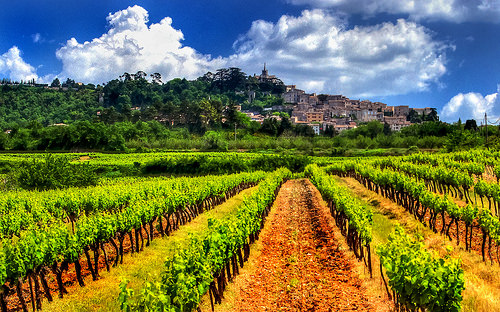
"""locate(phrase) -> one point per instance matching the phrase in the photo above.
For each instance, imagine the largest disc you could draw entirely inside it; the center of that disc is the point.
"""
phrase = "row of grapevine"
(415, 198)
(475, 162)
(492, 193)
(444, 180)
(50, 247)
(20, 211)
(420, 281)
(206, 263)
(437, 179)
(353, 218)
(483, 157)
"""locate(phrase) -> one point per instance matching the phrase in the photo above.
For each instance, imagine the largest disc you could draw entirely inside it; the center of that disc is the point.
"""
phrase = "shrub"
(53, 172)
(215, 141)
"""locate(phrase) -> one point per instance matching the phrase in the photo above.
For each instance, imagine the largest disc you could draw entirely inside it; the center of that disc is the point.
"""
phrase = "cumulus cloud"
(131, 45)
(472, 106)
(13, 66)
(317, 50)
(457, 11)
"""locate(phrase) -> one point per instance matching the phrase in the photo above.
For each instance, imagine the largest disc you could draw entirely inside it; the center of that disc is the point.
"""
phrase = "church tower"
(264, 73)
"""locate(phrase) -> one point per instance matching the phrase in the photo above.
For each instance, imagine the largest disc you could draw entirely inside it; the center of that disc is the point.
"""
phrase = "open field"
(328, 237)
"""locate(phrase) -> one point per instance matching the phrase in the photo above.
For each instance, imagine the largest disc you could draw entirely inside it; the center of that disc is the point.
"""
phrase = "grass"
(482, 280)
(101, 295)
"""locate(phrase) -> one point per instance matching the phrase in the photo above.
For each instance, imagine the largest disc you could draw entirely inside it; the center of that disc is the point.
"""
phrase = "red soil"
(301, 267)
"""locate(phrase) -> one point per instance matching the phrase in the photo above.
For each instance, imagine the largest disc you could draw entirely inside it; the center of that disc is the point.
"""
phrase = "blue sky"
(441, 53)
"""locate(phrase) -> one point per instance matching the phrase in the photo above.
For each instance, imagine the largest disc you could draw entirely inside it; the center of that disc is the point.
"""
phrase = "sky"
(422, 53)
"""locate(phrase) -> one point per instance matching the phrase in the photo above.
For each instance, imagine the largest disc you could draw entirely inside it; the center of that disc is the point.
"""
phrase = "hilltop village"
(337, 111)
(198, 104)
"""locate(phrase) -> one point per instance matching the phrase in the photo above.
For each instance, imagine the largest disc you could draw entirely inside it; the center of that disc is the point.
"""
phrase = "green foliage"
(431, 128)
(188, 273)
(102, 117)
(359, 215)
(34, 229)
(4, 138)
(369, 130)
(21, 104)
(215, 141)
(55, 83)
(53, 172)
(224, 163)
(421, 281)
(462, 139)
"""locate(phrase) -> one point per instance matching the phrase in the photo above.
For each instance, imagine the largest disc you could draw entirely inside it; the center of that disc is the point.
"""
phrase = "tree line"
(137, 97)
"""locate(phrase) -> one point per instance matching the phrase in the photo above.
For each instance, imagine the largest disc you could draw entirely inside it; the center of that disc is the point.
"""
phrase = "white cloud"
(317, 50)
(472, 106)
(13, 66)
(131, 45)
(450, 10)
(37, 38)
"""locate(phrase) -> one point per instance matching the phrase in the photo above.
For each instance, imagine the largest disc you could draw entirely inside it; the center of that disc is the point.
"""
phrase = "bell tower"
(264, 72)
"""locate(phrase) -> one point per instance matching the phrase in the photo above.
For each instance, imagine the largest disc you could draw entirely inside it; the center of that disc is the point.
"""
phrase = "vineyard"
(253, 232)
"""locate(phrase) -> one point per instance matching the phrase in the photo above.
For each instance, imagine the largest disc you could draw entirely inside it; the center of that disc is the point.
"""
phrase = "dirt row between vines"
(300, 263)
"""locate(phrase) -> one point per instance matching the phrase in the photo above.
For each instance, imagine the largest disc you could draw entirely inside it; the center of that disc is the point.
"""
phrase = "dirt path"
(300, 266)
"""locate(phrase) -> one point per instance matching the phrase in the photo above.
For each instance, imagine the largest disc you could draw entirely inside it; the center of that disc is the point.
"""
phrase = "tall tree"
(55, 83)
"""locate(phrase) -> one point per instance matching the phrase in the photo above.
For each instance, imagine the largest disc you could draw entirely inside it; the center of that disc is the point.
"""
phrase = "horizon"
(425, 55)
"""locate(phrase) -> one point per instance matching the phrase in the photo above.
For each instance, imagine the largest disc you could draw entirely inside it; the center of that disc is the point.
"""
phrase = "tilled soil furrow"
(301, 267)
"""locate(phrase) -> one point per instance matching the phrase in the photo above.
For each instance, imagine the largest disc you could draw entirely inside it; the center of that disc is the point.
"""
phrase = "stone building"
(401, 110)
(396, 122)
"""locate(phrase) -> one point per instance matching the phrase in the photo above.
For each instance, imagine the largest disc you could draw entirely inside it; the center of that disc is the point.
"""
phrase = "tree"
(304, 130)
(4, 139)
(70, 83)
(387, 129)
(330, 131)
(461, 140)
(55, 83)
(215, 141)
(156, 78)
(126, 77)
(433, 116)
(470, 124)
(374, 128)
(211, 113)
(285, 124)
(270, 126)
(125, 105)
(140, 75)
(414, 117)
(227, 79)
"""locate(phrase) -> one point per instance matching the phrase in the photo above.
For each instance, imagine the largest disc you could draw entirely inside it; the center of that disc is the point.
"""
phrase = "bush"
(4, 138)
(215, 141)
(53, 172)
(224, 164)
(431, 142)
